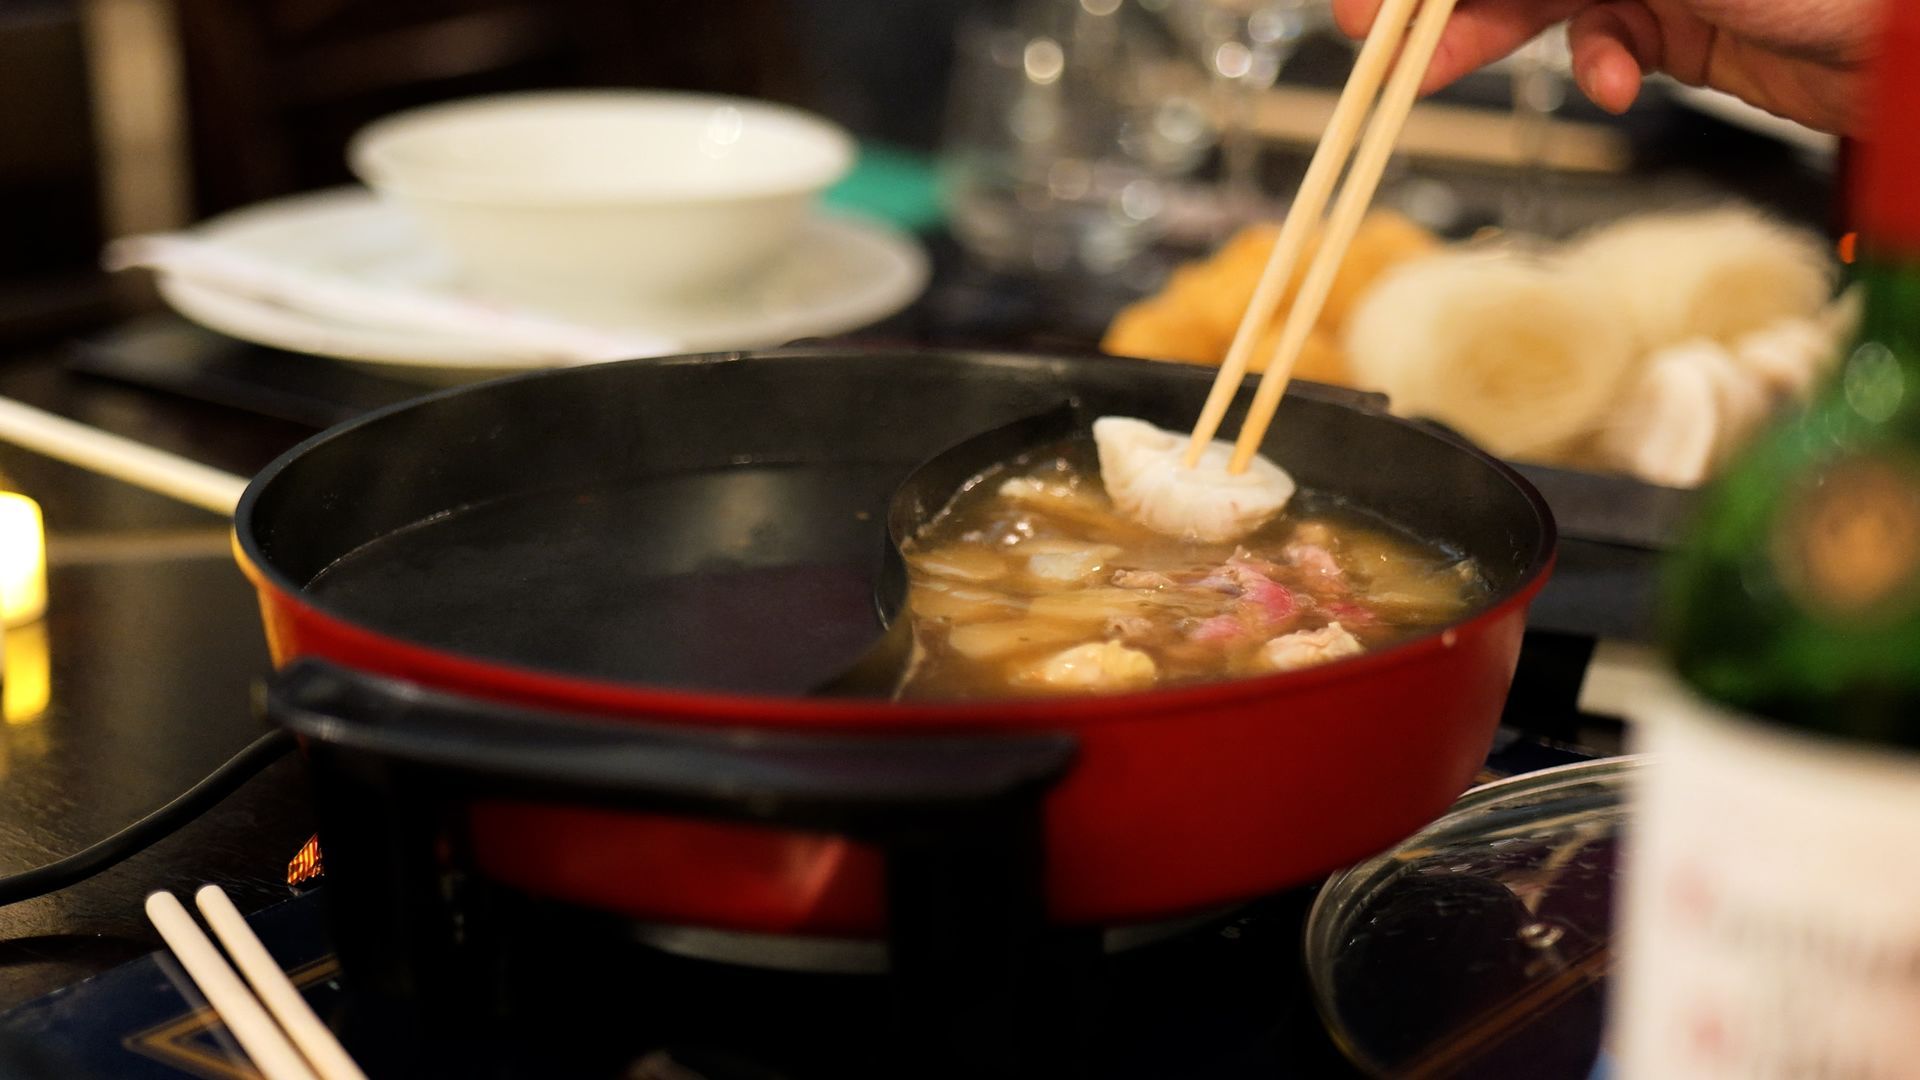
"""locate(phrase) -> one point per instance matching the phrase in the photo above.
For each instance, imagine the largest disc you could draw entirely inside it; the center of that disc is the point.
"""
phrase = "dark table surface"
(154, 641)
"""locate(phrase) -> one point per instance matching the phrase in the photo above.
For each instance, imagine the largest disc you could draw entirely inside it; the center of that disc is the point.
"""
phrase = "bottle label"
(1770, 926)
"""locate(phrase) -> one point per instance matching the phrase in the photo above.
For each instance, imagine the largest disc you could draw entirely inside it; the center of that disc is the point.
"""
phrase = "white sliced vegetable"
(1788, 357)
(1143, 579)
(1068, 567)
(1744, 403)
(993, 640)
(936, 600)
(1088, 606)
(1107, 665)
(1518, 355)
(1718, 274)
(1666, 429)
(1146, 479)
(1064, 547)
(963, 563)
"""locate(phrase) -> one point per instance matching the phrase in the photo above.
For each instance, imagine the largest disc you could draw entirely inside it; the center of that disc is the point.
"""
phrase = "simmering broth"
(1030, 583)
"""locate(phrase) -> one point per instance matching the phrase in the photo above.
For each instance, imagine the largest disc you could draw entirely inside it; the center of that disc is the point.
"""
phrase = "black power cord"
(156, 826)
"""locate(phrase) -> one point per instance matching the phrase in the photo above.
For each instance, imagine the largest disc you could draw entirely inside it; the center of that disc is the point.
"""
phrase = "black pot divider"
(915, 502)
(981, 984)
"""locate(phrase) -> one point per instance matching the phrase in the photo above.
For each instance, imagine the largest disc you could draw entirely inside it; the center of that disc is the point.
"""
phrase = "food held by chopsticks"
(1653, 346)
(1142, 470)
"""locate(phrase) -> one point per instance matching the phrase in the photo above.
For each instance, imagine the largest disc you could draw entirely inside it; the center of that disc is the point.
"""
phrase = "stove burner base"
(1220, 998)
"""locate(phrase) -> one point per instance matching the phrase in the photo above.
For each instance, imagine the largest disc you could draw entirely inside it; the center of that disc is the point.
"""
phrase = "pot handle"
(857, 785)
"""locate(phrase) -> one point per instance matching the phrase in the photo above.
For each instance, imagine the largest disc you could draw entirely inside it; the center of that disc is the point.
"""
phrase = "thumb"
(1355, 17)
(1614, 45)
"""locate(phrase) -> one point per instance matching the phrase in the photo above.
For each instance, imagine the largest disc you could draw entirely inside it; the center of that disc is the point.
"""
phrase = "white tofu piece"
(1104, 666)
(1308, 648)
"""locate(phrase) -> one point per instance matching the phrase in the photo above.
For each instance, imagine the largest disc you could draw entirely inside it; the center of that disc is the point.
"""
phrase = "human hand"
(1801, 59)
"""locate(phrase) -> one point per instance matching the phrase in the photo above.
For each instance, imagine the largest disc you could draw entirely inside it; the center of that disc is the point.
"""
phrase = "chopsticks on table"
(1395, 25)
(277, 1029)
(121, 458)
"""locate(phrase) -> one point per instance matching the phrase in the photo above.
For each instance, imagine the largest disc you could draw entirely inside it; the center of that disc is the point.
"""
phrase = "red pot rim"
(734, 707)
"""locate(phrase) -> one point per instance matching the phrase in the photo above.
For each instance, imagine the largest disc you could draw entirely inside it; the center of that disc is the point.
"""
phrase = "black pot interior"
(722, 522)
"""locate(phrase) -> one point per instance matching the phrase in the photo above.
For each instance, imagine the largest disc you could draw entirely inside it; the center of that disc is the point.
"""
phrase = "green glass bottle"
(1797, 595)
(1770, 922)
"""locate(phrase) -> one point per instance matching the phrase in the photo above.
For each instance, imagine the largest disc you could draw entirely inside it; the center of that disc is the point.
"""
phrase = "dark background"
(270, 91)
(273, 89)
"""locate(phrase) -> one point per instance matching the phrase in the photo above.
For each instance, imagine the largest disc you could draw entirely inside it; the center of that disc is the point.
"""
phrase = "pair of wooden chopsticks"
(298, 1046)
(1383, 46)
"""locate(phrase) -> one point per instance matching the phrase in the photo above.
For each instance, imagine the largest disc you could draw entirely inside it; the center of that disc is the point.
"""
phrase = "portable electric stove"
(1226, 995)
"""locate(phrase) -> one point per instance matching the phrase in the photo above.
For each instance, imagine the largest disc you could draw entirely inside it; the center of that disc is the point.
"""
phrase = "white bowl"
(601, 203)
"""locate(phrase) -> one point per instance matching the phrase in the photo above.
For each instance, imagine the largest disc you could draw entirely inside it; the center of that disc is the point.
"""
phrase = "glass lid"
(1479, 946)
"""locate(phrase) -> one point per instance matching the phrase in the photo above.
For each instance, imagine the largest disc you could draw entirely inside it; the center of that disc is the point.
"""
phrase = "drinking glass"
(1065, 125)
(1244, 45)
(1541, 71)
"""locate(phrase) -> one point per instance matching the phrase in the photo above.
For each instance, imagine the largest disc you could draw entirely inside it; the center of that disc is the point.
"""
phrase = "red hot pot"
(735, 567)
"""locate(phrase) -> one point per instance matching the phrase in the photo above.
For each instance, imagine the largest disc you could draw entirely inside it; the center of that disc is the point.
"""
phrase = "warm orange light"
(1849, 248)
(23, 560)
(307, 865)
(27, 685)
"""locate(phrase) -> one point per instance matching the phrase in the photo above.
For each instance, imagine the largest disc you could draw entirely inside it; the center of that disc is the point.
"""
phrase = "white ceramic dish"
(838, 275)
(593, 203)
